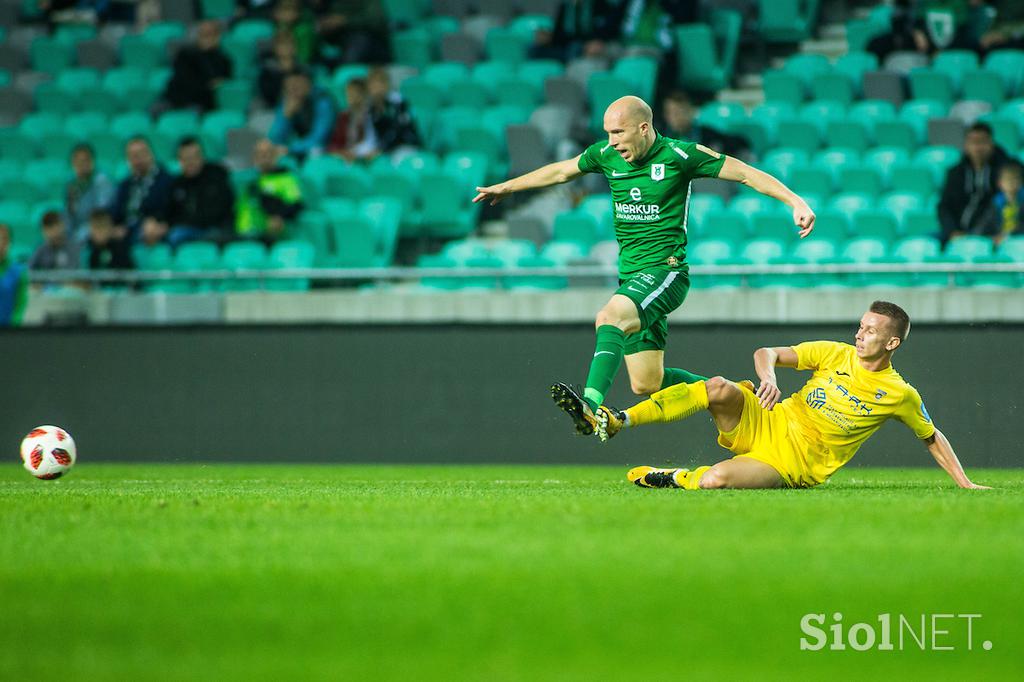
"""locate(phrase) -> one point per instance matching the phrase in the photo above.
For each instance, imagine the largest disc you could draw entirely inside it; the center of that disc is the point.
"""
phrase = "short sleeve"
(816, 354)
(590, 159)
(698, 161)
(913, 413)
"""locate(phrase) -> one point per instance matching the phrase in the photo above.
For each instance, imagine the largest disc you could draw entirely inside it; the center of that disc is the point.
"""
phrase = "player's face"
(625, 136)
(874, 336)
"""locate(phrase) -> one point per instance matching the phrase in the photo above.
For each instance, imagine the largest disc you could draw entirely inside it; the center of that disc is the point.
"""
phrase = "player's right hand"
(495, 193)
(768, 394)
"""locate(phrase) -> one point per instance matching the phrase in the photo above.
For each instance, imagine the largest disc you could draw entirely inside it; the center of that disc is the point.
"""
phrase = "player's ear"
(893, 343)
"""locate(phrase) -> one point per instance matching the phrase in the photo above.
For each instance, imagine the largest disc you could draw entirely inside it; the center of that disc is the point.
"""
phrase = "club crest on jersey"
(657, 171)
(879, 394)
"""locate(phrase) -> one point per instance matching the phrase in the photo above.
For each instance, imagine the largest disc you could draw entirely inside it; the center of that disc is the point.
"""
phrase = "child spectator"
(1008, 201)
(107, 250)
(13, 284)
(57, 252)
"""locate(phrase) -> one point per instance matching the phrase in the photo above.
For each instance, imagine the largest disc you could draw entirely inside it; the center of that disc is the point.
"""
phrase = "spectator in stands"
(198, 70)
(254, 9)
(928, 25)
(290, 17)
(351, 32)
(648, 23)
(13, 284)
(58, 251)
(1008, 202)
(271, 200)
(107, 250)
(583, 28)
(389, 114)
(144, 193)
(1008, 31)
(304, 119)
(202, 203)
(87, 191)
(679, 121)
(967, 204)
(275, 65)
(353, 136)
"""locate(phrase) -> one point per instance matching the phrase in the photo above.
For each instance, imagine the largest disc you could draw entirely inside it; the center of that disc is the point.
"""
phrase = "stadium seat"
(875, 223)
(355, 242)
(919, 222)
(50, 55)
(860, 179)
(812, 180)
(698, 63)
(780, 161)
(215, 127)
(814, 249)
(918, 112)
(641, 72)
(709, 251)
(833, 87)
(86, 124)
(599, 207)
(290, 255)
(956, 64)
(443, 211)
(762, 250)
(193, 257)
(726, 224)
(468, 168)
(1009, 64)
(253, 30)
(896, 134)
(444, 75)
(932, 84)
(780, 86)
(131, 123)
(800, 134)
(917, 249)
(854, 64)
(511, 251)
(835, 159)
(863, 250)
(700, 205)
(139, 52)
(413, 47)
(832, 223)
(50, 99)
(787, 21)
(563, 252)
(850, 134)
(422, 94)
(991, 280)
(385, 215)
(885, 158)
(315, 227)
(576, 226)
(535, 282)
(243, 256)
(939, 159)
(517, 92)
(983, 85)
(1005, 131)
(900, 203)
(912, 177)
(437, 260)
(154, 257)
(969, 247)
(1013, 248)
(850, 203)
(506, 45)
(749, 202)
(234, 95)
(603, 89)
(776, 225)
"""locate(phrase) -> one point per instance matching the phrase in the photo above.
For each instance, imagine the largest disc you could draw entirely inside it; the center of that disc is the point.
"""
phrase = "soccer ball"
(48, 452)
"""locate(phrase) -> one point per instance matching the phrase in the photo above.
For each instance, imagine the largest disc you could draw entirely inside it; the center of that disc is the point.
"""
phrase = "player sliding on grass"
(802, 440)
(650, 179)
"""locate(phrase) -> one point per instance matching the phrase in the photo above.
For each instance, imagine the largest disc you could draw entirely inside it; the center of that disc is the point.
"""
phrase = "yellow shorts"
(767, 437)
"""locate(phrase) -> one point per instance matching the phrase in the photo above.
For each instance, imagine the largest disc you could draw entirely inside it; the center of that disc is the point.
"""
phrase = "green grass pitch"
(248, 572)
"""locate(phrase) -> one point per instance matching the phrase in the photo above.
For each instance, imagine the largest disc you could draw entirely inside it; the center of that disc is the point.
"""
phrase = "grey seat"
(13, 57)
(554, 122)
(946, 132)
(905, 62)
(526, 227)
(884, 85)
(460, 47)
(479, 26)
(566, 92)
(96, 54)
(453, 8)
(240, 144)
(14, 105)
(526, 149)
(969, 111)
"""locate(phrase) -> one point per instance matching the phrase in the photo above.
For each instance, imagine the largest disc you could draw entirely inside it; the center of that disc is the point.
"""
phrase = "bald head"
(628, 122)
(630, 109)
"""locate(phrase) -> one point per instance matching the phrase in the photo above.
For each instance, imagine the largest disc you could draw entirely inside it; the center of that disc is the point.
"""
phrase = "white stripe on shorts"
(657, 292)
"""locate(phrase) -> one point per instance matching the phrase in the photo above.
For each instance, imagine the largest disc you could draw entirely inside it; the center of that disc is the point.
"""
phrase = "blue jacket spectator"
(13, 284)
(304, 119)
(87, 191)
(144, 193)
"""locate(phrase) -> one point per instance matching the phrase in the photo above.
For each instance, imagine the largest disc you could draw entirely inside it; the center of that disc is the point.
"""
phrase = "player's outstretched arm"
(737, 171)
(545, 176)
(943, 453)
(765, 361)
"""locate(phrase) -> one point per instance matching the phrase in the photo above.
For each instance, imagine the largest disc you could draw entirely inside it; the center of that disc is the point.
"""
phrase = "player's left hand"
(803, 217)
(768, 394)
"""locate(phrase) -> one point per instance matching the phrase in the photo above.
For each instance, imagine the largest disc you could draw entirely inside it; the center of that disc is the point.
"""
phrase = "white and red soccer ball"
(48, 452)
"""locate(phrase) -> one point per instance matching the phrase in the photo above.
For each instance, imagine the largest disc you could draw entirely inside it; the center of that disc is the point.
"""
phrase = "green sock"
(611, 342)
(675, 376)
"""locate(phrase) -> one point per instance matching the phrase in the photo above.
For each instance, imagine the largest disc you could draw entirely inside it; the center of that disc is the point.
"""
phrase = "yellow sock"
(670, 404)
(691, 479)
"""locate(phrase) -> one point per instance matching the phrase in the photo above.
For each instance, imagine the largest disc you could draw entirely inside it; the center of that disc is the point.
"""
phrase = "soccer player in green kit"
(650, 179)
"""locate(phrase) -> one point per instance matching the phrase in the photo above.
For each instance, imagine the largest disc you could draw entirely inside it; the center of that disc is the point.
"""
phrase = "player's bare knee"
(714, 478)
(720, 390)
(605, 316)
(644, 385)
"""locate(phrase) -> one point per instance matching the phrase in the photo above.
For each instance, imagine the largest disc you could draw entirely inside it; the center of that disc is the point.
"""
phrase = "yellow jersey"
(843, 404)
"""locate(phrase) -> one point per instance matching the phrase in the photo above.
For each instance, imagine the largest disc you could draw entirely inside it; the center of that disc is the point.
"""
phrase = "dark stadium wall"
(442, 394)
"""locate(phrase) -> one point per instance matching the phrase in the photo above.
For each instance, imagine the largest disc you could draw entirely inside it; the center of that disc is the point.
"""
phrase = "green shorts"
(656, 293)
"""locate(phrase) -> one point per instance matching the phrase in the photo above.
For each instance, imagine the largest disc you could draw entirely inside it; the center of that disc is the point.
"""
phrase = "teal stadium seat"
(217, 9)
(700, 205)
(1005, 131)
(506, 45)
(811, 180)
(1013, 248)
(899, 204)
(194, 257)
(970, 247)
(863, 250)
(50, 55)
(781, 86)
(800, 134)
(815, 249)
(413, 47)
(854, 64)
(834, 87)
(640, 72)
(833, 223)
(918, 112)
(917, 249)
(470, 169)
(710, 251)
(787, 21)
(535, 282)
(564, 252)
(405, 12)
(235, 95)
(1009, 64)
(602, 89)
(956, 64)
(912, 177)
(876, 223)
(599, 207)
(538, 71)
(939, 159)
(445, 74)
(983, 85)
(443, 210)
(885, 159)
(355, 242)
(244, 256)
(727, 224)
(290, 255)
(139, 52)
(578, 227)
(919, 222)
(932, 84)
(780, 161)
(697, 59)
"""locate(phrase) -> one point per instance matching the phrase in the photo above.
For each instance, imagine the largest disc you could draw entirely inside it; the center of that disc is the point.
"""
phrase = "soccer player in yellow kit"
(802, 440)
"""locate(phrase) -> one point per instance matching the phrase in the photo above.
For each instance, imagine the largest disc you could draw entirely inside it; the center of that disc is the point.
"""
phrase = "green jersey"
(651, 198)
